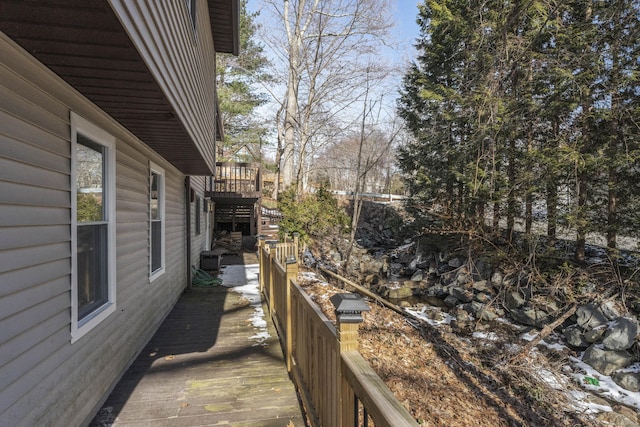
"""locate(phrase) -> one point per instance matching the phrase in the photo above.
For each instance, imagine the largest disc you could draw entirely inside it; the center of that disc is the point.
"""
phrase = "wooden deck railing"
(237, 180)
(322, 359)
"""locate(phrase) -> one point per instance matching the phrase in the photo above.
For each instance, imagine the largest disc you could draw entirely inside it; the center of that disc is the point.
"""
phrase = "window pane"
(89, 180)
(156, 245)
(197, 215)
(92, 271)
(155, 187)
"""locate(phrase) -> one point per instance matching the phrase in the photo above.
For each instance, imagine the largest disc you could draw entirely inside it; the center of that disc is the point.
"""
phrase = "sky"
(405, 31)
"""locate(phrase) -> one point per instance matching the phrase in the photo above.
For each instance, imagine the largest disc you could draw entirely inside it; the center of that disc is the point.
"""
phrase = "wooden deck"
(204, 366)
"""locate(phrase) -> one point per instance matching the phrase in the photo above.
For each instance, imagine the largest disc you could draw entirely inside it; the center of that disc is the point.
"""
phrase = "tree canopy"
(524, 109)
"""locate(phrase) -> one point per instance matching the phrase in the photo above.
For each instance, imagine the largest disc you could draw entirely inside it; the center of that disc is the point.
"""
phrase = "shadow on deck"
(207, 365)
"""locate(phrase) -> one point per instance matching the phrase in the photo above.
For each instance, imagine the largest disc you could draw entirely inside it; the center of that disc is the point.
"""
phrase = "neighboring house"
(107, 130)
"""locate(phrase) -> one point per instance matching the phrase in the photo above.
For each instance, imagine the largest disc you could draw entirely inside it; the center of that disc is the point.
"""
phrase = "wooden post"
(260, 263)
(292, 274)
(296, 238)
(348, 314)
(272, 268)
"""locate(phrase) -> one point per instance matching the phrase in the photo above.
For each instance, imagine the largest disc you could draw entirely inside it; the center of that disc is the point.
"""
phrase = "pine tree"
(238, 84)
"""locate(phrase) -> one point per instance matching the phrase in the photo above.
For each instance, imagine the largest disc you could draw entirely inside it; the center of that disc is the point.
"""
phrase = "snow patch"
(243, 279)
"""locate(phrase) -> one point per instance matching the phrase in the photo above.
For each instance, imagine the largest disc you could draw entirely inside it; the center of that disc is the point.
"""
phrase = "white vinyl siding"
(46, 379)
(93, 261)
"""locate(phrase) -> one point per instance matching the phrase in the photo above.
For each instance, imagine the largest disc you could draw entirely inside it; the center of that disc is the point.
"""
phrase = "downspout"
(187, 197)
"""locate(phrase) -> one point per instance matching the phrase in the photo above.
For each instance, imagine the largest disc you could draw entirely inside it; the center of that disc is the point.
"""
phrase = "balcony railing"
(238, 180)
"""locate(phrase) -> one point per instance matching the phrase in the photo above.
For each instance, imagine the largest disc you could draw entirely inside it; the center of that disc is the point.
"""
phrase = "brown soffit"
(84, 43)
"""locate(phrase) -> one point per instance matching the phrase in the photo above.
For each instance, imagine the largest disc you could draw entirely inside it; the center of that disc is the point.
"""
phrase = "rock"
(417, 276)
(606, 361)
(482, 297)
(514, 300)
(437, 291)
(482, 312)
(574, 337)
(627, 380)
(615, 419)
(308, 259)
(455, 262)
(480, 286)
(609, 310)
(463, 277)
(451, 301)
(497, 279)
(621, 334)
(627, 412)
(400, 292)
(463, 295)
(530, 316)
(594, 335)
(590, 316)
(410, 284)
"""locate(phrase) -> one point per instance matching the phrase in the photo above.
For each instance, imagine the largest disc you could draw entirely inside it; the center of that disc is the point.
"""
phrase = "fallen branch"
(544, 333)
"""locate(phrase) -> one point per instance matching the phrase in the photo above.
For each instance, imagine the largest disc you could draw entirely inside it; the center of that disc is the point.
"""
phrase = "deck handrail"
(322, 359)
(236, 178)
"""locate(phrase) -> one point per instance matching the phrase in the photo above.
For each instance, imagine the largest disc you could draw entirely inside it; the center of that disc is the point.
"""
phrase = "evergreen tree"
(238, 91)
(514, 104)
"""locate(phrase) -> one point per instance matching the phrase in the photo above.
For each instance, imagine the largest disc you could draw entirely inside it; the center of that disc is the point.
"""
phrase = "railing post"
(349, 308)
(260, 262)
(272, 269)
(292, 274)
(296, 239)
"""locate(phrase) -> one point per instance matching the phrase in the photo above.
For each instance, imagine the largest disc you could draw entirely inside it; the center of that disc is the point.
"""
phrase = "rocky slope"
(488, 342)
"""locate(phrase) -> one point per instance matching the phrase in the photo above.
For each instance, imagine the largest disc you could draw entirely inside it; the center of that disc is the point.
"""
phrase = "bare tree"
(325, 47)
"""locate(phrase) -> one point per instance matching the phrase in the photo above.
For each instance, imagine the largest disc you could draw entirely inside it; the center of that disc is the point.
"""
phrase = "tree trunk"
(581, 223)
(511, 197)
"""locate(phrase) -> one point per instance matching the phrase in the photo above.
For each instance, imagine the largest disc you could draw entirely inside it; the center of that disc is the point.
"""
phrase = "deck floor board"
(201, 368)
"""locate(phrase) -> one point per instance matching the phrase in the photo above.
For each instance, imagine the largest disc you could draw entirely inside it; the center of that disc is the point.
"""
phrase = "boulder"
(530, 316)
(417, 276)
(594, 335)
(480, 286)
(574, 337)
(497, 279)
(610, 310)
(615, 419)
(621, 334)
(627, 380)
(461, 294)
(455, 262)
(451, 301)
(481, 311)
(400, 292)
(481, 297)
(606, 361)
(437, 291)
(513, 300)
(589, 316)
(463, 277)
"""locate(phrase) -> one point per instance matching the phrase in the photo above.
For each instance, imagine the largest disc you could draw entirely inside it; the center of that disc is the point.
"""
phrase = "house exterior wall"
(180, 55)
(44, 378)
(199, 240)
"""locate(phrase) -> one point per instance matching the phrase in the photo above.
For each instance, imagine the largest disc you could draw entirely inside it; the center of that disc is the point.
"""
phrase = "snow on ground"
(579, 372)
(243, 279)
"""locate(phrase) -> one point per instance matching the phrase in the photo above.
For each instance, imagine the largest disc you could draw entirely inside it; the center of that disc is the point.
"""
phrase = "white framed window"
(198, 220)
(156, 221)
(93, 226)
